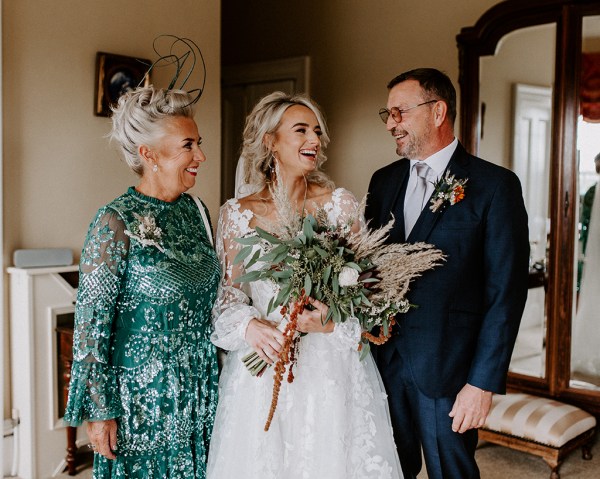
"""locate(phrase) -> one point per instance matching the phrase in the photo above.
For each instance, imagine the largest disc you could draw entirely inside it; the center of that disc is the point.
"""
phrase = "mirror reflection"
(516, 110)
(585, 350)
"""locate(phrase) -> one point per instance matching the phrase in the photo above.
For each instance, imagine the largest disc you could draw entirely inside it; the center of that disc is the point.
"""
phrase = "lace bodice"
(237, 304)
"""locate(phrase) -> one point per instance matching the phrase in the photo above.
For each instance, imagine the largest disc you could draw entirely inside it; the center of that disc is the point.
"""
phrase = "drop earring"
(155, 168)
(272, 169)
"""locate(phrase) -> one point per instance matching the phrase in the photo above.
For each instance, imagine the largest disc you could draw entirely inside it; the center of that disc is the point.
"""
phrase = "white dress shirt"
(437, 164)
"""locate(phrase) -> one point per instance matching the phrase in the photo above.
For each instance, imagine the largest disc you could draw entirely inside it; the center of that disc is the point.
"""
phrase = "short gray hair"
(137, 119)
(264, 119)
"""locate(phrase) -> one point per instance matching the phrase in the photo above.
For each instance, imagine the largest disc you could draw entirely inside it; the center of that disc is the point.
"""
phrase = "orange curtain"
(590, 87)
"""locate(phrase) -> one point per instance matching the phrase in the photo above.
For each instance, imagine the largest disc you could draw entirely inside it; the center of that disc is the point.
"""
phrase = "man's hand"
(470, 409)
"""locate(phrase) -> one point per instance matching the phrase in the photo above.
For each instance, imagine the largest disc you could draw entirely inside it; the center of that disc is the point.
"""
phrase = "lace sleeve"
(233, 310)
(345, 335)
(93, 391)
(344, 209)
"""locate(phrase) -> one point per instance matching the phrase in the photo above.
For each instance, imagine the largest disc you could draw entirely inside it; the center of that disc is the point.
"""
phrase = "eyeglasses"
(397, 113)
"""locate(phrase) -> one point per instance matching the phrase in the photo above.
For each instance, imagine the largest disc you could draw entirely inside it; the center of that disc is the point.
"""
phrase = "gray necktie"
(413, 204)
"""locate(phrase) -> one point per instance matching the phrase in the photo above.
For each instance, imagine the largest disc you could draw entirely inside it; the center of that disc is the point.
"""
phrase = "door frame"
(3, 317)
(296, 68)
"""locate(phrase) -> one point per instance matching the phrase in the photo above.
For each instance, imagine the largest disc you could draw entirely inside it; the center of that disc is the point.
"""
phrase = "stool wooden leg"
(554, 465)
(71, 450)
(586, 452)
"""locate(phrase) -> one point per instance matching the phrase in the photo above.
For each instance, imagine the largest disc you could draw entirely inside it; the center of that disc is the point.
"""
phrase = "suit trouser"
(419, 420)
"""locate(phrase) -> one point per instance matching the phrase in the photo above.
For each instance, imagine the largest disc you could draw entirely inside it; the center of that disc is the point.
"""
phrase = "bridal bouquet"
(355, 273)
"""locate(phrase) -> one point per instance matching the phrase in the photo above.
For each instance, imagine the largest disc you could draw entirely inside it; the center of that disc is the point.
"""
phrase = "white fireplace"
(40, 300)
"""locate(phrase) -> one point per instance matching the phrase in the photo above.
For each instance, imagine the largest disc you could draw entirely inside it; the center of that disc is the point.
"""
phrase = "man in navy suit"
(450, 353)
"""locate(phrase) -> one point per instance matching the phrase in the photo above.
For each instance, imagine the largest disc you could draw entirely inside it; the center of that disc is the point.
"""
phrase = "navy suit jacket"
(468, 310)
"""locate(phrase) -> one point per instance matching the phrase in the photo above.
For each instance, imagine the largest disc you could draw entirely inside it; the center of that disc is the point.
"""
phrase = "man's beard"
(415, 146)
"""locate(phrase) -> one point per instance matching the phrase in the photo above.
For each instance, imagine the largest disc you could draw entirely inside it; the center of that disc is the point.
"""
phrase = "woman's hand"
(103, 436)
(312, 321)
(265, 339)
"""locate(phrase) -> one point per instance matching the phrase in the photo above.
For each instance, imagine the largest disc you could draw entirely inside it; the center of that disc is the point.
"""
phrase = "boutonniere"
(447, 190)
(146, 232)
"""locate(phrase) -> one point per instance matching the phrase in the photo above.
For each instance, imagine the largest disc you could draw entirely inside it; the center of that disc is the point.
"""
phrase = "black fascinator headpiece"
(183, 55)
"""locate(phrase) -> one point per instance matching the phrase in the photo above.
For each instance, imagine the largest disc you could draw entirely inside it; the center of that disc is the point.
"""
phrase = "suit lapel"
(428, 219)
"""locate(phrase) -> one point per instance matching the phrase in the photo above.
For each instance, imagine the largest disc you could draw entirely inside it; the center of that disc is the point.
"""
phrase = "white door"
(531, 153)
(532, 120)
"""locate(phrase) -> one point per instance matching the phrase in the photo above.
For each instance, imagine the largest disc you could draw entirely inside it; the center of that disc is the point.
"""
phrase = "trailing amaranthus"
(286, 356)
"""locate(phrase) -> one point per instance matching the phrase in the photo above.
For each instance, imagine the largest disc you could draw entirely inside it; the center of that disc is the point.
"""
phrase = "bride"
(332, 421)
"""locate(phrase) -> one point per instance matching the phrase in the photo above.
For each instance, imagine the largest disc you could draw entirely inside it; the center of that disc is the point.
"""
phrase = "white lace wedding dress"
(332, 422)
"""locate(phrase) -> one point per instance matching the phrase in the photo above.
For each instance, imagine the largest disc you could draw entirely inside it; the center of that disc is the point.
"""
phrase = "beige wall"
(58, 167)
(356, 47)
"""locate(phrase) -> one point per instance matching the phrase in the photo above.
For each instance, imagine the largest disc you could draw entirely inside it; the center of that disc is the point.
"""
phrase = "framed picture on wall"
(115, 75)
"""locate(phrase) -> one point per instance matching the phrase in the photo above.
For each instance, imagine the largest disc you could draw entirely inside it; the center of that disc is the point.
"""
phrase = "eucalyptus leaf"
(335, 284)
(337, 315)
(308, 227)
(385, 324)
(274, 253)
(249, 240)
(280, 257)
(352, 265)
(283, 274)
(283, 296)
(251, 276)
(271, 306)
(254, 258)
(365, 299)
(267, 236)
(366, 347)
(242, 255)
(307, 285)
(326, 274)
(329, 315)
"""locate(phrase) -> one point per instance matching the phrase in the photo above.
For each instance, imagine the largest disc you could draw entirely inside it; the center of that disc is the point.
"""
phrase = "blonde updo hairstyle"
(137, 119)
(265, 119)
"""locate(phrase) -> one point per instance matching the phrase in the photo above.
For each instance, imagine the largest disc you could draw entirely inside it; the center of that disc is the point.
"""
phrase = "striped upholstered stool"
(539, 426)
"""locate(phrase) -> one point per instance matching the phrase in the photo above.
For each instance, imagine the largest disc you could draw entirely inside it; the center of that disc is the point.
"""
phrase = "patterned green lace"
(142, 351)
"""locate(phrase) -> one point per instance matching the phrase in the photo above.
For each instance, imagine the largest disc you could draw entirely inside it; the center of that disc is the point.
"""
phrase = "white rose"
(348, 277)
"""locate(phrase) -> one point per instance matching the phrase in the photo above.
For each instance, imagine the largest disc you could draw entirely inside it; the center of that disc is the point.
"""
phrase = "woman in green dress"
(144, 373)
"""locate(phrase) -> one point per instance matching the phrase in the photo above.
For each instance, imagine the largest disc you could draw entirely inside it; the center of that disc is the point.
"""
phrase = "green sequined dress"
(142, 352)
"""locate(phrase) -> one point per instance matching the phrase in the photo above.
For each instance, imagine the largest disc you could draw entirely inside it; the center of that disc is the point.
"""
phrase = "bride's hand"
(265, 339)
(312, 321)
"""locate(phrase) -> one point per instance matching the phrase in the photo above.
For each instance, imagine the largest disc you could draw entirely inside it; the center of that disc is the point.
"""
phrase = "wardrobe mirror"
(585, 350)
